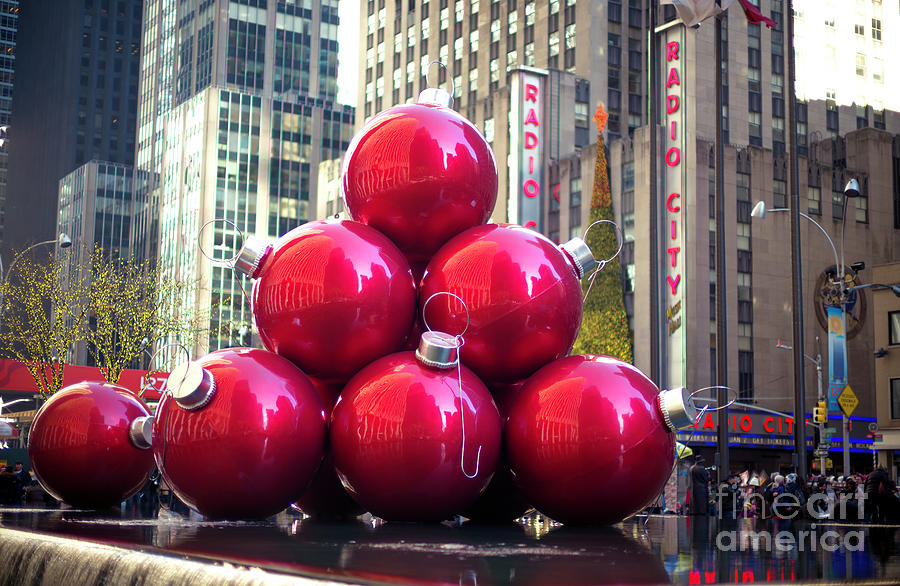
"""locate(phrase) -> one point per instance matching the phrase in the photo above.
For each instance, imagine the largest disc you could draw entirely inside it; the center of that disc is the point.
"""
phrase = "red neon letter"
(531, 93)
(531, 224)
(673, 130)
(673, 78)
(673, 156)
(673, 253)
(670, 205)
(556, 193)
(531, 118)
(531, 188)
(531, 164)
(672, 51)
(673, 228)
(531, 140)
(746, 424)
(671, 104)
(673, 283)
(767, 422)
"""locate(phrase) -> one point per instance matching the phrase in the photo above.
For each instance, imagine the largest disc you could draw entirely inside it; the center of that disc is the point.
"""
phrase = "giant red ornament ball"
(397, 438)
(82, 448)
(331, 296)
(420, 173)
(240, 433)
(588, 442)
(522, 293)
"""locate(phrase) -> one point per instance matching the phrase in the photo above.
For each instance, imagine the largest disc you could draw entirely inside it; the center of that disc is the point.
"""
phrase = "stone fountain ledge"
(30, 558)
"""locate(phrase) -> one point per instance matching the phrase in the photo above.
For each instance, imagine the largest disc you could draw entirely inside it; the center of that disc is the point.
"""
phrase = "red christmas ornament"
(325, 497)
(421, 173)
(409, 442)
(240, 433)
(89, 445)
(523, 295)
(502, 501)
(330, 296)
(590, 439)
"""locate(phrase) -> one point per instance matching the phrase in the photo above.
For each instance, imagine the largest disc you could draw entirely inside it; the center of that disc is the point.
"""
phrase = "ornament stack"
(356, 387)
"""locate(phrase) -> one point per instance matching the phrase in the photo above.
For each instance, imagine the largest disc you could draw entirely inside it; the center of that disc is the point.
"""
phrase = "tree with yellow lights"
(43, 314)
(604, 327)
(128, 310)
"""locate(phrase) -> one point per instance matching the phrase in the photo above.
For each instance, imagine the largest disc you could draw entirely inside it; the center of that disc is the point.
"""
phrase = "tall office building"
(562, 58)
(9, 25)
(74, 100)
(237, 110)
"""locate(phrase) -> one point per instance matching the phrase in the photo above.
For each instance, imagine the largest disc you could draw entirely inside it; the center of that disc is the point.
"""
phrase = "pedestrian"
(23, 479)
(754, 502)
(8, 480)
(699, 488)
(728, 497)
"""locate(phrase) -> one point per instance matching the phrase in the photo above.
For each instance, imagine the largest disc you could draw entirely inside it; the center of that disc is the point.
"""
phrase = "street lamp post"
(851, 190)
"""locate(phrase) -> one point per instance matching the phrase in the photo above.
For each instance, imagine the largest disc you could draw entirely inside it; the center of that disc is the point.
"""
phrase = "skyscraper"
(9, 25)
(74, 100)
(235, 115)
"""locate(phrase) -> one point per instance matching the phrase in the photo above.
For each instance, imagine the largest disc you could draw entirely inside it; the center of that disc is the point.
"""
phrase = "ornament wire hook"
(706, 408)
(230, 262)
(620, 240)
(460, 341)
(449, 78)
(160, 349)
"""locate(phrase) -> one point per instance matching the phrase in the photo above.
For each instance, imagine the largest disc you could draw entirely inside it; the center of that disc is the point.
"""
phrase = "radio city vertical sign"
(673, 202)
(526, 148)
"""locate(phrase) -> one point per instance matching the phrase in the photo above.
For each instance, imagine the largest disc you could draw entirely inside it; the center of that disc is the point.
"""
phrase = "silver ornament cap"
(251, 254)
(438, 350)
(581, 256)
(141, 432)
(434, 96)
(191, 386)
(677, 407)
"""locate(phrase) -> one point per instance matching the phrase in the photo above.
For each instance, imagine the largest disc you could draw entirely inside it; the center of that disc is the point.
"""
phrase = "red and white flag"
(693, 12)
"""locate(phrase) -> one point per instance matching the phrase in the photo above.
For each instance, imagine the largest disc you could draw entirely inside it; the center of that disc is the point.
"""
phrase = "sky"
(348, 51)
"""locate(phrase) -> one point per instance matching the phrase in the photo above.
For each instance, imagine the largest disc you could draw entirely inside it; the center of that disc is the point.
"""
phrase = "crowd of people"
(13, 482)
(871, 497)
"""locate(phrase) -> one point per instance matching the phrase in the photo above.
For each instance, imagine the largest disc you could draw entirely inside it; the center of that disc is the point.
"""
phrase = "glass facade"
(234, 123)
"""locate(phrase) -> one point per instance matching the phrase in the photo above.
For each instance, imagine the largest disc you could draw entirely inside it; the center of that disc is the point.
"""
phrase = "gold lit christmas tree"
(604, 328)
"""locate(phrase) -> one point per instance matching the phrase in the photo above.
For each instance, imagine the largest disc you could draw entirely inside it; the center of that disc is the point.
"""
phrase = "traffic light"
(820, 412)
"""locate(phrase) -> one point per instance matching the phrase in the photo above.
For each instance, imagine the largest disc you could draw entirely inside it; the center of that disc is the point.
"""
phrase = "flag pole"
(796, 260)
(721, 289)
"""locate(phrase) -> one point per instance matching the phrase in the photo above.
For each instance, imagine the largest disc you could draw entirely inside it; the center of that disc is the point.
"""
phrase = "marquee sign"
(672, 237)
(526, 148)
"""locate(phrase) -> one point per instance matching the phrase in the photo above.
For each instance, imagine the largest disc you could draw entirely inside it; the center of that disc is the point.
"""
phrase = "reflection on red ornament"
(397, 438)
(523, 295)
(331, 296)
(420, 173)
(82, 449)
(241, 436)
(587, 440)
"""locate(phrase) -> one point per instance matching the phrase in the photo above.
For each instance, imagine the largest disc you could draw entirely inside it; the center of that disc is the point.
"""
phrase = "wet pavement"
(667, 549)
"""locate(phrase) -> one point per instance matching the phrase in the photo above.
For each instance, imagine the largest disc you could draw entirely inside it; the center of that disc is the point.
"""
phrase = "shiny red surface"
(586, 440)
(522, 294)
(80, 448)
(332, 297)
(253, 448)
(421, 174)
(396, 437)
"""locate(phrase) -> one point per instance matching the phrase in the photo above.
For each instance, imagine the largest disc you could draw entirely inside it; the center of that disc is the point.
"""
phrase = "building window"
(876, 29)
(862, 209)
(860, 29)
(895, 398)
(860, 65)
(837, 205)
(628, 176)
(779, 194)
(814, 198)
(743, 187)
(894, 328)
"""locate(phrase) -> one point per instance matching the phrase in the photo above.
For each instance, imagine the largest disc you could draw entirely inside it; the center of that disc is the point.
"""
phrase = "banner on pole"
(837, 356)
